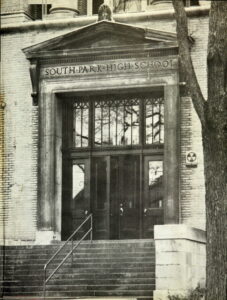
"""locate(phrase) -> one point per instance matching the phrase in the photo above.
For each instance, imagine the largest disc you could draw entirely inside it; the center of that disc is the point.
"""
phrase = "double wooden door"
(118, 190)
(115, 197)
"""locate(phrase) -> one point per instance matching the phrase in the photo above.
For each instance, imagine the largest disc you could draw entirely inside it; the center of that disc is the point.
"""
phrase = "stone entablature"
(110, 67)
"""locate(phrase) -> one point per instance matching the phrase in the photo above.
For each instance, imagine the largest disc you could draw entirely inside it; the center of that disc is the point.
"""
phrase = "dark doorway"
(111, 191)
(112, 164)
(115, 190)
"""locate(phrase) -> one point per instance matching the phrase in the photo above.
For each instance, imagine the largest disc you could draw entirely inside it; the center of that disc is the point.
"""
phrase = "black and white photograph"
(113, 150)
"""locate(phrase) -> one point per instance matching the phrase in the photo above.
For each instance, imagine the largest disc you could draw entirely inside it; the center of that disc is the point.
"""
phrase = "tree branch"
(185, 60)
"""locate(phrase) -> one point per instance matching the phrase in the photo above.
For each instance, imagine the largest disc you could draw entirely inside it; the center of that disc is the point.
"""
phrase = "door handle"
(121, 210)
(145, 211)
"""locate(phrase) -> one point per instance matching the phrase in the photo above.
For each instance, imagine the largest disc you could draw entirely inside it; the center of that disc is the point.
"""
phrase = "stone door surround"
(105, 57)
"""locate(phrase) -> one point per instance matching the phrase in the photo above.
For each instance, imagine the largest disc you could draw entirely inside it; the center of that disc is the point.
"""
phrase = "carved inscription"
(125, 66)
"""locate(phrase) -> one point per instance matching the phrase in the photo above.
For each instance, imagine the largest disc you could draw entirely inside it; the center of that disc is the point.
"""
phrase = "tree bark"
(213, 117)
(215, 152)
(214, 149)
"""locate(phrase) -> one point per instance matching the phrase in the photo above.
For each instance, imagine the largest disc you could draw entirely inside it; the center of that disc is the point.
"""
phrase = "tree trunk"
(215, 152)
(215, 167)
(213, 116)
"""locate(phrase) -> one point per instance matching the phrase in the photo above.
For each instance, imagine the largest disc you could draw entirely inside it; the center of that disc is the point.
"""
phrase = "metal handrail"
(90, 230)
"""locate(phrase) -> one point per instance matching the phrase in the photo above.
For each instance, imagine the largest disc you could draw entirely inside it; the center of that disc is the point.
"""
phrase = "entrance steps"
(120, 269)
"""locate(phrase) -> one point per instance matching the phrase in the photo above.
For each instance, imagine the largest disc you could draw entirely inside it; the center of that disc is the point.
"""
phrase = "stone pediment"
(103, 35)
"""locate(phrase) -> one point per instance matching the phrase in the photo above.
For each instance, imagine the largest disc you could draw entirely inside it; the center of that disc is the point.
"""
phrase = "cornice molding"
(104, 37)
(110, 56)
(72, 23)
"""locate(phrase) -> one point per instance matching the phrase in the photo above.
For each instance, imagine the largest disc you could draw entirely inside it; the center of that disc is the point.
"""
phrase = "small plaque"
(191, 159)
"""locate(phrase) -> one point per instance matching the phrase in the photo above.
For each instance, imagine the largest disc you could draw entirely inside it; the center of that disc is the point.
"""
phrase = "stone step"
(83, 264)
(79, 258)
(106, 271)
(84, 246)
(78, 298)
(88, 254)
(87, 243)
(86, 287)
(75, 275)
(79, 281)
(83, 293)
(100, 269)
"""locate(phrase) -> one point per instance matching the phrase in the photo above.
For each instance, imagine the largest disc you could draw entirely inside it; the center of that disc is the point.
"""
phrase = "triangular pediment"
(104, 34)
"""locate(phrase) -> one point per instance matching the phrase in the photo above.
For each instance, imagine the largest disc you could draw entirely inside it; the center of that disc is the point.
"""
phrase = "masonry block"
(181, 265)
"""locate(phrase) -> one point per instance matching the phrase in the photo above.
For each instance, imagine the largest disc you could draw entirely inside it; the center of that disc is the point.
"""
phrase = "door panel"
(153, 195)
(100, 197)
(67, 216)
(75, 196)
(80, 193)
(129, 173)
(114, 198)
(113, 186)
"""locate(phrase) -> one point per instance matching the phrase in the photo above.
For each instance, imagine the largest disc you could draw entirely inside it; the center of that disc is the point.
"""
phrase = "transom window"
(117, 122)
(81, 123)
(114, 121)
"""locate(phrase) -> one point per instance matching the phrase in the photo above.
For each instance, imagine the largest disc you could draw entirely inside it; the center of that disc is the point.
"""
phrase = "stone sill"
(87, 20)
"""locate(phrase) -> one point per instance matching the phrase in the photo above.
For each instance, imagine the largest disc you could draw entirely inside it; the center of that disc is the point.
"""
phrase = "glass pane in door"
(155, 184)
(80, 205)
(153, 200)
(78, 182)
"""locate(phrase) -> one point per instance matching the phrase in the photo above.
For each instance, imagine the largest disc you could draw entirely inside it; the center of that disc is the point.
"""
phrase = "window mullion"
(124, 107)
(159, 112)
(116, 123)
(131, 122)
(142, 122)
(91, 124)
(109, 124)
(81, 129)
(101, 123)
(152, 113)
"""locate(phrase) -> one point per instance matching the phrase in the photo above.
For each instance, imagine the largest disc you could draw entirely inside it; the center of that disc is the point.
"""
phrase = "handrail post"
(91, 234)
(72, 253)
(44, 284)
(46, 280)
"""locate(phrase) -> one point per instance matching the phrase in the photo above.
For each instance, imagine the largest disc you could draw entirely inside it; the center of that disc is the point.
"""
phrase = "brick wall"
(21, 132)
(192, 179)
(2, 106)
(21, 137)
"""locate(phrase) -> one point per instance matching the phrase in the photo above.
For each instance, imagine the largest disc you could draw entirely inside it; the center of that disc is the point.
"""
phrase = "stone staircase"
(101, 269)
